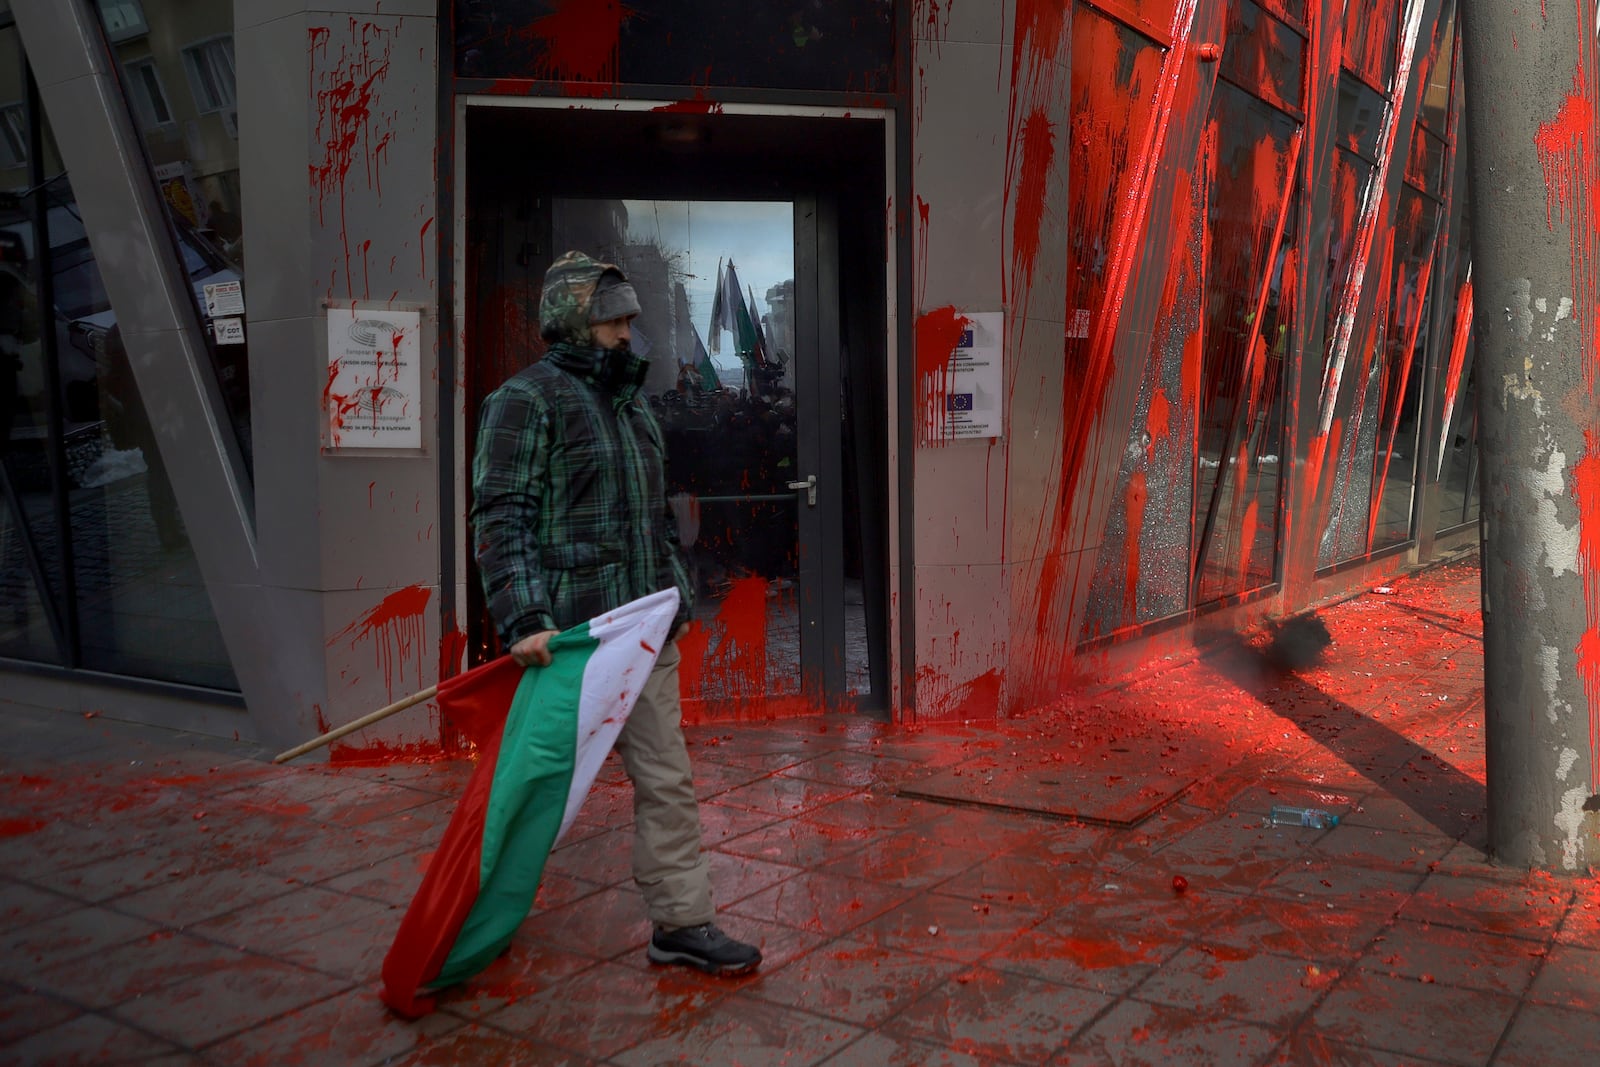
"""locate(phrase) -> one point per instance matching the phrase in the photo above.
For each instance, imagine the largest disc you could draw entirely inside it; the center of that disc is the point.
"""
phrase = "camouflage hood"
(569, 291)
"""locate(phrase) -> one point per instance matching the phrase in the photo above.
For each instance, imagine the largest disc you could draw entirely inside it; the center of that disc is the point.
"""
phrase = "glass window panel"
(725, 400)
(1241, 390)
(1369, 39)
(1425, 161)
(1401, 364)
(197, 172)
(1438, 62)
(1458, 484)
(1263, 55)
(1114, 71)
(1360, 116)
(842, 45)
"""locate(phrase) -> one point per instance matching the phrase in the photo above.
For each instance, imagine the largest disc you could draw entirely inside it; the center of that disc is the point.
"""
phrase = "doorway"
(757, 247)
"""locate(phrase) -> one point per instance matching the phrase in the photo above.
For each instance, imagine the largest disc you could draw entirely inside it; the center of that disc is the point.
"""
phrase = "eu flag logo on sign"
(966, 339)
(958, 402)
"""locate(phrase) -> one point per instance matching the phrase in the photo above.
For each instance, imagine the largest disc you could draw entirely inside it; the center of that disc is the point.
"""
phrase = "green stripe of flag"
(532, 781)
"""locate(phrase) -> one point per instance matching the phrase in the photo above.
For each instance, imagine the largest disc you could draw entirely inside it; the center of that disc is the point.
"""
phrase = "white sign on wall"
(975, 389)
(373, 398)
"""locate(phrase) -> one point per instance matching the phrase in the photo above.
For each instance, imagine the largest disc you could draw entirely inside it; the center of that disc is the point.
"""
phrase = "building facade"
(995, 341)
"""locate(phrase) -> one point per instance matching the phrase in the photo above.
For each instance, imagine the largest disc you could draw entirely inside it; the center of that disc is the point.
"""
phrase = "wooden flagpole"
(359, 724)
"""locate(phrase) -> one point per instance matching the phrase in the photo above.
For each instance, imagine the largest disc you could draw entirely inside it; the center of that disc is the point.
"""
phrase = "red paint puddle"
(21, 827)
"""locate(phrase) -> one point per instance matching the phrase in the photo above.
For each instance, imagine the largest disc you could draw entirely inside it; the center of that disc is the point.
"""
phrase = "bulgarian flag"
(541, 733)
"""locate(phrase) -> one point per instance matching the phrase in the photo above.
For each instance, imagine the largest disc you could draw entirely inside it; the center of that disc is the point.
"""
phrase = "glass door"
(729, 323)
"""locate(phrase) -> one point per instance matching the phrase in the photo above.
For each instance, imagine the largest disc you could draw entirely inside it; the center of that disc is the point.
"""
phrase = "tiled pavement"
(174, 900)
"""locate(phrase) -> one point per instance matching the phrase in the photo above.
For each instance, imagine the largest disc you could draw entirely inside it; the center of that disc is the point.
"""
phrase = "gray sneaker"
(704, 947)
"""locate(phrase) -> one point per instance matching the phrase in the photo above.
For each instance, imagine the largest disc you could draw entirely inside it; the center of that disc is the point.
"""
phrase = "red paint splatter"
(20, 827)
(938, 332)
(1158, 423)
(398, 626)
(582, 44)
(345, 97)
(1037, 155)
(422, 245)
(1133, 514)
(647, 647)
(1454, 375)
(1586, 490)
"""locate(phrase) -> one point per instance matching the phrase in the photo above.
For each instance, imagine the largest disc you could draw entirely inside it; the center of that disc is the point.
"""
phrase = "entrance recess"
(773, 430)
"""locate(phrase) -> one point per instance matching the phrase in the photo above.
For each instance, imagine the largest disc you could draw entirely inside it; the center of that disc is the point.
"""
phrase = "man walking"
(571, 520)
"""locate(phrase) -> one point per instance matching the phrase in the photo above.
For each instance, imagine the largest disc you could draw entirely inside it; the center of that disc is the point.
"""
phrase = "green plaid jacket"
(569, 509)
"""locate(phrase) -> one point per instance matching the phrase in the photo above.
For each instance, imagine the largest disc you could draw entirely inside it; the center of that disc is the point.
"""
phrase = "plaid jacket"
(569, 504)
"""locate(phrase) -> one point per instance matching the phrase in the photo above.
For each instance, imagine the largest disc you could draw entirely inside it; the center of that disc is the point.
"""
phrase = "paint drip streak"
(1367, 227)
(1454, 370)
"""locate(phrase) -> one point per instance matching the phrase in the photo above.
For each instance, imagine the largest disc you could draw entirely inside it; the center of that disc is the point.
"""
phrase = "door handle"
(810, 486)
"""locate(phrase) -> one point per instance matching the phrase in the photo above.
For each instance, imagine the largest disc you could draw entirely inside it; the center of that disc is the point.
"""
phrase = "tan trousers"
(667, 863)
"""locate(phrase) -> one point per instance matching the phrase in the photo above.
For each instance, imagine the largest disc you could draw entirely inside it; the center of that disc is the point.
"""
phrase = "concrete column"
(1531, 107)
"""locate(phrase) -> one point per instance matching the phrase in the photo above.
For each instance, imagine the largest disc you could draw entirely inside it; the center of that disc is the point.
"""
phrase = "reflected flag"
(703, 364)
(730, 312)
(542, 734)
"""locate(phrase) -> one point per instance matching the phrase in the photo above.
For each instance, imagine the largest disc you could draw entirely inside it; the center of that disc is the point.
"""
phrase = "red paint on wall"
(582, 41)
(1158, 423)
(1569, 153)
(396, 624)
(1133, 512)
(938, 332)
(1037, 155)
(1454, 374)
(344, 100)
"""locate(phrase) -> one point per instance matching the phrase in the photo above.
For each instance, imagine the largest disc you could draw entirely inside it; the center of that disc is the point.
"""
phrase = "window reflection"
(716, 290)
(178, 77)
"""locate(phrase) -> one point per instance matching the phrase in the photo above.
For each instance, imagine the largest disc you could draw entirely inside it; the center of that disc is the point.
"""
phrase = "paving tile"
(1221, 981)
(133, 969)
(1142, 904)
(906, 859)
(735, 877)
(476, 1045)
(1021, 879)
(393, 880)
(719, 823)
(1570, 978)
(1308, 1045)
(353, 950)
(1319, 931)
(604, 859)
(23, 1013)
(822, 903)
(22, 905)
(1236, 852)
(1581, 926)
(797, 842)
(874, 811)
(1414, 1017)
(1469, 959)
(951, 928)
(742, 1031)
(852, 981)
(982, 830)
(352, 1028)
(1005, 1016)
(1382, 849)
(315, 861)
(1543, 1035)
(1528, 908)
(228, 997)
(851, 768)
(601, 925)
(526, 968)
(1346, 886)
(886, 1050)
(71, 935)
(608, 805)
(608, 1008)
(786, 797)
(154, 866)
(204, 895)
(268, 925)
(85, 1040)
(1102, 960)
(1134, 1034)
(712, 777)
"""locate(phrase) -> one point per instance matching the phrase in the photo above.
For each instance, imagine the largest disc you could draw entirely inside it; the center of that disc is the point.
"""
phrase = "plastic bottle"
(1315, 818)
